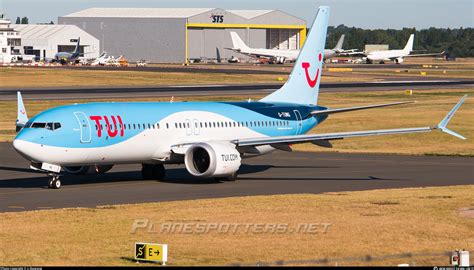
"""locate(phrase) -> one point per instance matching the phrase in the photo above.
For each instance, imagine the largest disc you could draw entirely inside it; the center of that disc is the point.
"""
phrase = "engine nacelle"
(88, 169)
(399, 60)
(213, 159)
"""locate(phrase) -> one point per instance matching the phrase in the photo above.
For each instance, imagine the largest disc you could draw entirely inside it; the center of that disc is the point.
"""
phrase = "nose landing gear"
(54, 183)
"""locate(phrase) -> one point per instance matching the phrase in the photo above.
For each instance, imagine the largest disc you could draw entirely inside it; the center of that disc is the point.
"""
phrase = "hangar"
(176, 35)
(45, 40)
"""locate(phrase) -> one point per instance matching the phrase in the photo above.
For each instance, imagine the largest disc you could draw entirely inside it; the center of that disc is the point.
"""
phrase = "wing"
(348, 53)
(323, 139)
(425, 54)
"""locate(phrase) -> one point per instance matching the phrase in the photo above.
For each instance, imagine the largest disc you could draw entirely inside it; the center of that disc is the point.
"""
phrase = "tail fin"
(302, 86)
(76, 50)
(237, 43)
(339, 43)
(409, 47)
(21, 118)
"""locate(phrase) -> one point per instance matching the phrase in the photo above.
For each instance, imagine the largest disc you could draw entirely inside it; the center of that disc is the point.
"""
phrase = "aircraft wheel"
(158, 171)
(230, 178)
(147, 172)
(56, 184)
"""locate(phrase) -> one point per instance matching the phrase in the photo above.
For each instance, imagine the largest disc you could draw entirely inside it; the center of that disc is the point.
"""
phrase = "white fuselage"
(386, 55)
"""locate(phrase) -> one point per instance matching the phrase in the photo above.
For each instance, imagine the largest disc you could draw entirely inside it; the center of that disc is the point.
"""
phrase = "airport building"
(45, 40)
(10, 41)
(176, 35)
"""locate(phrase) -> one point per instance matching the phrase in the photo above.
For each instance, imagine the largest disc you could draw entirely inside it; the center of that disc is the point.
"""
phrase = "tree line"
(25, 20)
(457, 42)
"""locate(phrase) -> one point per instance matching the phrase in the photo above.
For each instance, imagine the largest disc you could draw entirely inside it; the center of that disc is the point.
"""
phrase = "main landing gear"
(54, 182)
(153, 171)
(229, 178)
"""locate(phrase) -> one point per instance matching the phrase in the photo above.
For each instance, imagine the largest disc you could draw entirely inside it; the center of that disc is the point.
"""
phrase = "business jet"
(210, 138)
(280, 56)
(102, 60)
(394, 55)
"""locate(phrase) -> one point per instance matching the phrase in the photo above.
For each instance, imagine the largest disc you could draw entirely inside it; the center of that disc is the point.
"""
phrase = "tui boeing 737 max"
(210, 138)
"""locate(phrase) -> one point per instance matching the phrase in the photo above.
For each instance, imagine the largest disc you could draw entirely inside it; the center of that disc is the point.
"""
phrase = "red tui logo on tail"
(306, 66)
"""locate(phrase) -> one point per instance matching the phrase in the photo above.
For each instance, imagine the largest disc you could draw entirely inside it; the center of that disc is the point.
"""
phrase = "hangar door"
(283, 39)
(206, 43)
(70, 48)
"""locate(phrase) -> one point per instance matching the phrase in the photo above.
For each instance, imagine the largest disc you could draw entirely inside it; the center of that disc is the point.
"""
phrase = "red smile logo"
(306, 66)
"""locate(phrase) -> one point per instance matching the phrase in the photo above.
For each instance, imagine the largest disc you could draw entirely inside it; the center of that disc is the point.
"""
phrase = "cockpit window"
(49, 125)
(38, 125)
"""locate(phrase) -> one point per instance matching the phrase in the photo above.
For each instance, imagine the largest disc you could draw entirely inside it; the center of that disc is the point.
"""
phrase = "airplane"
(210, 138)
(393, 55)
(280, 56)
(101, 60)
(69, 57)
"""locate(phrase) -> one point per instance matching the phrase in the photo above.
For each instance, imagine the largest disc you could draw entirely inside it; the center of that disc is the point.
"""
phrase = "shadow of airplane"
(15, 169)
(173, 176)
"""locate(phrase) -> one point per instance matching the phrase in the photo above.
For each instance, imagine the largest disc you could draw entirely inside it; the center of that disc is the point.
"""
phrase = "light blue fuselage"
(148, 130)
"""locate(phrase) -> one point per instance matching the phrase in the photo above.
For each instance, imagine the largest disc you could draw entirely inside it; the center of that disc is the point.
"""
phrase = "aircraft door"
(299, 122)
(189, 127)
(84, 127)
(196, 127)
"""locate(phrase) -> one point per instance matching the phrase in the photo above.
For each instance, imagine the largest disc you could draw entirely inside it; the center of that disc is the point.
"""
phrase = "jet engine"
(88, 169)
(213, 159)
(399, 60)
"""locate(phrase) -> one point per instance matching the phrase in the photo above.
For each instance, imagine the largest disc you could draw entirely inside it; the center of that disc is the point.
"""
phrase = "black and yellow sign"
(151, 252)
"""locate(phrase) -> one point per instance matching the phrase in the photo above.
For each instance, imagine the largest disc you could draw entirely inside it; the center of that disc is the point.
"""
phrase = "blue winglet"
(442, 125)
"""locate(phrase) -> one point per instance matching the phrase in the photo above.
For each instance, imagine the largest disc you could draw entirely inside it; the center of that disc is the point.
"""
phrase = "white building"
(45, 40)
(10, 41)
(175, 35)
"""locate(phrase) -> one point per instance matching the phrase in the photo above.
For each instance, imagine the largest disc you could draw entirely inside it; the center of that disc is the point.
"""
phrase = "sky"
(368, 14)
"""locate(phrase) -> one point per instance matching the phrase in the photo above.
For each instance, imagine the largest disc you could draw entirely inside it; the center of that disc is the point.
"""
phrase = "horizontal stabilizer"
(331, 111)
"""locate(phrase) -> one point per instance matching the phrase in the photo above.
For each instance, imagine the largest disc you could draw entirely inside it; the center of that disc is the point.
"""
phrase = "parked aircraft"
(210, 138)
(102, 60)
(69, 57)
(280, 56)
(393, 55)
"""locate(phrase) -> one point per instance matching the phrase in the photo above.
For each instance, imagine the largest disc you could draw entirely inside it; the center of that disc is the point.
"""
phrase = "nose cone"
(21, 147)
(24, 144)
